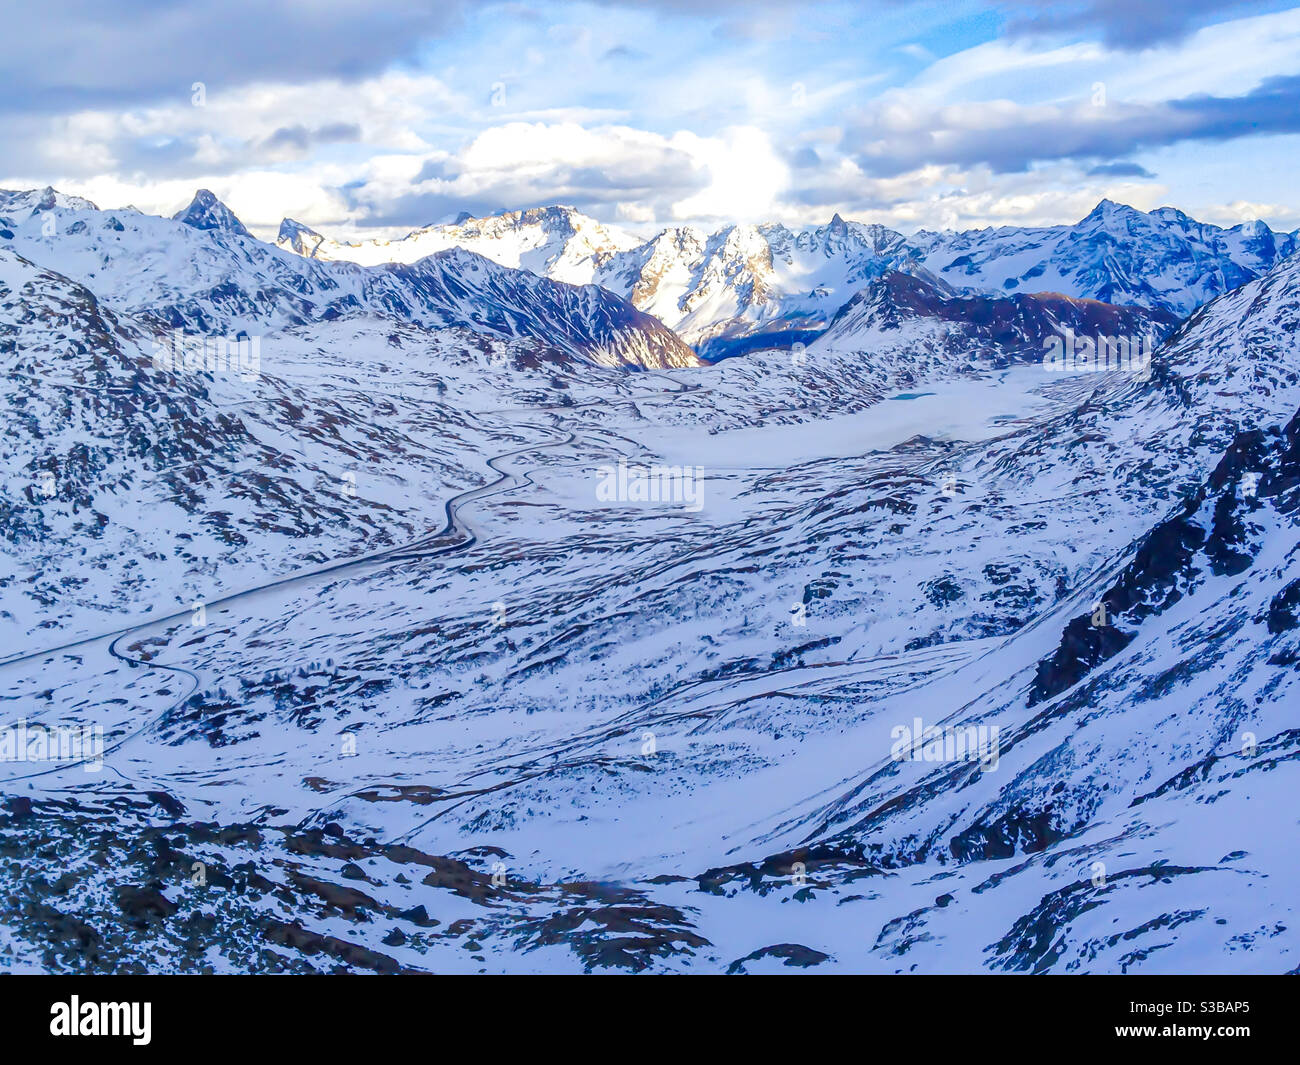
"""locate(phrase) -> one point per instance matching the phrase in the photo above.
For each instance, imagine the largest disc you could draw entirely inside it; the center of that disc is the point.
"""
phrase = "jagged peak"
(299, 238)
(674, 241)
(1109, 209)
(44, 199)
(741, 235)
(525, 216)
(290, 228)
(207, 212)
(560, 221)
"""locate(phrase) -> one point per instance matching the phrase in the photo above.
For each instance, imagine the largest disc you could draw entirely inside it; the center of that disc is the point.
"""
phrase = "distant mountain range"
(602, 295)
(203, 272)
(722, 290)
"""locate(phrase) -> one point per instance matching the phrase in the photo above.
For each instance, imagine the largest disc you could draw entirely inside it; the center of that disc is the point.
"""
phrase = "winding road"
(431, 545)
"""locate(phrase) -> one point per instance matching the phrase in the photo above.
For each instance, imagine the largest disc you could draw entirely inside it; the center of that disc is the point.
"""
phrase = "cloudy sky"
(376, 116)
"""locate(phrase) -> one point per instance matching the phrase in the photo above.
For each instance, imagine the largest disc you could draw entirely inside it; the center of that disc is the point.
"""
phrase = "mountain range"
(203, 272)
(749, 285)
(958, 665)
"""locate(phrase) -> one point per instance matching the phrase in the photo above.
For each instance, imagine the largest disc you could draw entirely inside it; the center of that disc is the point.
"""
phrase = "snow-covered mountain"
(734, 282)
(490, 704)
(747, 286)
(913, 329)
(202, 272)
(556, 242)
(205, 211)
(1162, 259)
(754, 279)
(17, 207)
(244, 468)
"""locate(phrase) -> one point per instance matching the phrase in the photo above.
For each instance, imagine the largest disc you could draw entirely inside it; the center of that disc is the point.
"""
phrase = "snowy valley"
(542, 598)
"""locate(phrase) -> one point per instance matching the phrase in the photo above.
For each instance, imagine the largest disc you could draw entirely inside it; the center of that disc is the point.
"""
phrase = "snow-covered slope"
(202, 272)
(342, 441)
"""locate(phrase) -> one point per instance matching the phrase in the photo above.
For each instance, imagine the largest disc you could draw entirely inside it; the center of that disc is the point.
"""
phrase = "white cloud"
(1277, 215)
(746, 175)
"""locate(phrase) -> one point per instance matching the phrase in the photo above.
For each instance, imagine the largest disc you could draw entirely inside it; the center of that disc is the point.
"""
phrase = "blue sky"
(375, 117)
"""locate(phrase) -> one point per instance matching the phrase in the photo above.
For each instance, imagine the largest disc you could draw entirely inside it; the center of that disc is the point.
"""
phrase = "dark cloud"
(1120, 170)
(65, 55)
(415, 210)
(1272, 107)
(848, 192)
(184, 155)
(301, 139)
(622, 51)
(656, 182)
(439, 170)
(62, 56)
(169, 158)
(1125, 24)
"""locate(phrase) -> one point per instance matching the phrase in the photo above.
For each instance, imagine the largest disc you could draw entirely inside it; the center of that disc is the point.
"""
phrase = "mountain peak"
(557, 216)
(207, 212)
(1107, 210)
(1256, 227)
(291, 227)
(300, 238)
(890, 297)
(35, 200)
